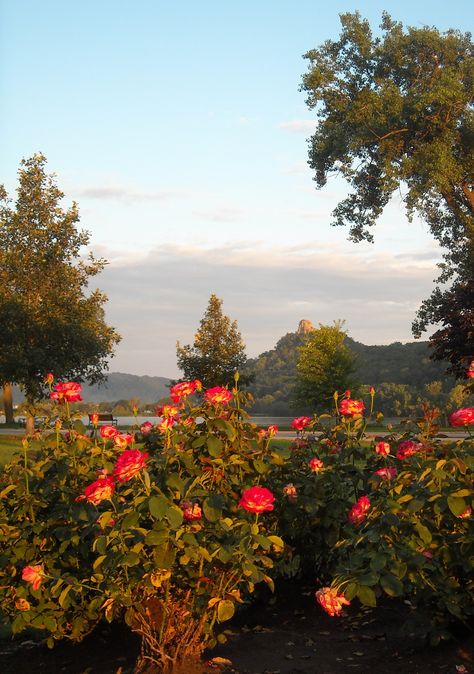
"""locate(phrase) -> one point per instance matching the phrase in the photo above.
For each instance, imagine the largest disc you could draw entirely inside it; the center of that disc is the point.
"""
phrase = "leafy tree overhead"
(325, 364)
(397, 112)
(218, 351)
(50, 323)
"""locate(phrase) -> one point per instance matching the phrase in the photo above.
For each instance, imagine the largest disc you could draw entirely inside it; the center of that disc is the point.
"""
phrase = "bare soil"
(288, 635)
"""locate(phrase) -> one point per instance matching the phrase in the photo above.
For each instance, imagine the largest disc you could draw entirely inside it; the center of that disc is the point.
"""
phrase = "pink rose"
(358, 512)
(331, 601)
(382, 448)
(387, 473)
(67, 391)
(316, 465)
(100, 490)
(462, 417)
(218, 395)
(300, 423)
(257, 500)
(129, 464)
(33, 575)
(146, 428)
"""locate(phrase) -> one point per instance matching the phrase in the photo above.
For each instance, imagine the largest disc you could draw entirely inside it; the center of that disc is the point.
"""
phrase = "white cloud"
(298, 125)
(122, 193)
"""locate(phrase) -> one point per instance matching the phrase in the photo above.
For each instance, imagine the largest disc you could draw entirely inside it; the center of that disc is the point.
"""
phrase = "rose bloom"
(191, 511)
(184, 389)
(290, 491)
(300, 423)
(386, 473)
(358, 512)
(331, 602)
(166, 424)
(316, 465)
(49, 378)
(257, 500)
(100, 490)
(462, 417)
(129, 464)
(108, 432)
(33, 575)
(465, 513)
(218, 395)
(146, 428)
(349, 407)
(167, 411)
(94, 419)
(22, 604)
(66, 391)
(382, 448)
(470, 371)
(408, 448)
(122, 440)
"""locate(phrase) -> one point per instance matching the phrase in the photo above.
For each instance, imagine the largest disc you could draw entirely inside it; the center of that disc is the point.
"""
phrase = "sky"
(180, 130)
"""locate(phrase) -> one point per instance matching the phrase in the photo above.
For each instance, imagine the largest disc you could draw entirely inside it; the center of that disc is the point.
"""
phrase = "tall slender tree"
(50, 323)
(218, 351)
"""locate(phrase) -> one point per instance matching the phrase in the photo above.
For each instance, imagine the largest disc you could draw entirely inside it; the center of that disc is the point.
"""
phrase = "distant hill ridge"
(122, 386)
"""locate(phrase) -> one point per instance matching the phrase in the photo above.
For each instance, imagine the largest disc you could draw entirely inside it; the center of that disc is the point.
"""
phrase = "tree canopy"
(396, 112)
(325, 364)
(218, 351)
(49, 322)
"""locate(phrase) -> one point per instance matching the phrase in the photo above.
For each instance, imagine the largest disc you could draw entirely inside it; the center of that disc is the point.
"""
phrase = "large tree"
(396, 113)
(50, 323)
(325, 365)
(218, 351)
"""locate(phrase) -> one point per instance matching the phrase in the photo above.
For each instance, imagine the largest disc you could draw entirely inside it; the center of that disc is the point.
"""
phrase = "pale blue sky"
(180, 131)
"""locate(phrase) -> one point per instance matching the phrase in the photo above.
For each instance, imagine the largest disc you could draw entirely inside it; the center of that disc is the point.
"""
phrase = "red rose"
(358, 512)
(408, 448)
(470, 370)
(66, 391)
(129, 464)
(257, 500)
(349, 407)
(300, 423)
(183, 389)
(331, 602)
(218, 395)
(166, 424)
(49, 378)
(316, 465)
(462, 417)
(122, 440)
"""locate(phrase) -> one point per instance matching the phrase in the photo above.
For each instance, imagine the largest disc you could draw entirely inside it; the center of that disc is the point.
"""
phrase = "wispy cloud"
(122, 193)
(222, 214)
(298, 125)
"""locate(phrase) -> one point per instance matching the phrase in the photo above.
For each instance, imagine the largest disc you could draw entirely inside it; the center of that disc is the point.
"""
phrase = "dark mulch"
(289, 635)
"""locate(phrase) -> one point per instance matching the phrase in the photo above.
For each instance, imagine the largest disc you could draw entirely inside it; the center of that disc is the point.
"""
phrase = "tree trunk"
(30, 417)
(8, 403)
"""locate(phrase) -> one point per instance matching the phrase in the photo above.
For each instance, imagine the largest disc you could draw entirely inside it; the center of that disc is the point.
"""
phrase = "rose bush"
(167, 535)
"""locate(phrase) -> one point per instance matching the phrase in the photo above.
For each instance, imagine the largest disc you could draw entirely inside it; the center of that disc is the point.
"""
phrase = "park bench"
(103, 418)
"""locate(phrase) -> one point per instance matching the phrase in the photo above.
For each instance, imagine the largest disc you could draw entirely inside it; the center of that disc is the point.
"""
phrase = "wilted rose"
(462, 417)
(66, 391)
(218, 395)
(331, 601)
(33, 575)
(129, 464)
(191, 511)
(257, 500)
(358, 512)
(290, 491)
(22, 604)
(387, 473)
(349, 407)
(408, 448)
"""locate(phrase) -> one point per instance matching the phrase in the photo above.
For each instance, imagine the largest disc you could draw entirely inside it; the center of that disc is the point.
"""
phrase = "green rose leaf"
(391, 585)
(456, 505)
(225, 610)
(366, 595)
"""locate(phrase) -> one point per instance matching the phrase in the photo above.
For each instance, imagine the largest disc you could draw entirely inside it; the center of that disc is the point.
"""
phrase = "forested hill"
(405, 365)
(121, 386)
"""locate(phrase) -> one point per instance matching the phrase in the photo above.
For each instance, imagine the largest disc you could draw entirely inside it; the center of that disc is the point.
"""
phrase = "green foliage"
(218, 351)
(325, 364)
(396, 110)
(134, 555)
(49, 323)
